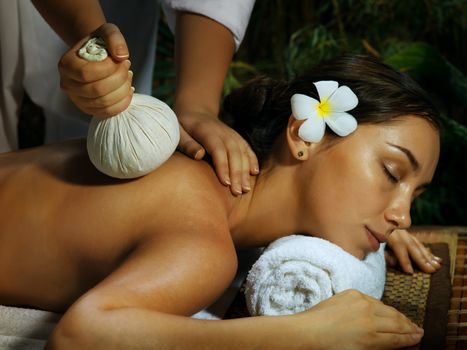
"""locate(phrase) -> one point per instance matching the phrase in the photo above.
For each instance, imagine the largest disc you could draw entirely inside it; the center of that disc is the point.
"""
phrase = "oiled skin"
(65, 226)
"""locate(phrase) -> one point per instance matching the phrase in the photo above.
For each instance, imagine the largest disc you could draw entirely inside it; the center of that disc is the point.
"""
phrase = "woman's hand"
(102, 88)
(233, 158)
(404, 247)
(352, 320)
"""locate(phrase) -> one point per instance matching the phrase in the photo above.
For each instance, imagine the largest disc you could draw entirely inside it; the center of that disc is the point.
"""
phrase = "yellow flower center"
(323, 109)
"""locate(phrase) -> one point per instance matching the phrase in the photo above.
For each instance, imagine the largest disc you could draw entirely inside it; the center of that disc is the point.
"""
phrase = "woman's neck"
(268, 211)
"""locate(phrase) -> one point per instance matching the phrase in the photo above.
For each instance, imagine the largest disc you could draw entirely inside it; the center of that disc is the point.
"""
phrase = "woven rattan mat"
(414, 294)
(457, 322)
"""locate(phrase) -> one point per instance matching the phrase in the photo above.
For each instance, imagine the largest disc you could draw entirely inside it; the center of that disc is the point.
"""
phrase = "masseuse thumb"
(190, 146)
(114, 41)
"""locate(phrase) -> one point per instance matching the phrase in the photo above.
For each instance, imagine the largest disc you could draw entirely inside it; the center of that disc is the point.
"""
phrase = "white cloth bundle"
(297, 272)
(136, 141)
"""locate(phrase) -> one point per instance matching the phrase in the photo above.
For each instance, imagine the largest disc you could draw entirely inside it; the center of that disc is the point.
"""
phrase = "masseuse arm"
(96, 88)
(203, 51)
(72, 20)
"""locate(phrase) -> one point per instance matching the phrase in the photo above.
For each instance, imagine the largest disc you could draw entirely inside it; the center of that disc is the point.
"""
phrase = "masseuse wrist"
(188, 111)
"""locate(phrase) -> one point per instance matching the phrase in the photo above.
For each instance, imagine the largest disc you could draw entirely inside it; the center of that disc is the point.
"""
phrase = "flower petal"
(341, 123)
(326, 88)
(343, 99)
(312, 130)
(303, 106)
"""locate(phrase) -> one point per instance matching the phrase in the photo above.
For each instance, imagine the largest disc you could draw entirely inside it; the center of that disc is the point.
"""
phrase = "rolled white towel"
(297, 272)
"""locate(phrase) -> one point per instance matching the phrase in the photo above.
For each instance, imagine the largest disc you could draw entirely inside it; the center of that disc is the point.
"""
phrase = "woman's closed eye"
(391, 177)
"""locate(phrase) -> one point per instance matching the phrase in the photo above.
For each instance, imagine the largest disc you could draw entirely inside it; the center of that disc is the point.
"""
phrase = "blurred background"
(427, 39)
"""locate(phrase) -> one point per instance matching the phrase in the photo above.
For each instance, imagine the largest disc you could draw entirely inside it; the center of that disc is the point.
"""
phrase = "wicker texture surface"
(457, 322)
(407, 293)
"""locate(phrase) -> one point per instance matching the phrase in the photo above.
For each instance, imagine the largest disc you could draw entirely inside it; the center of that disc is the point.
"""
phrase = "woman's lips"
(375, 239)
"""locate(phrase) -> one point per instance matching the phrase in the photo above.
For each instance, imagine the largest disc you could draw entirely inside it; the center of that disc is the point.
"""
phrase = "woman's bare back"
(65, 227)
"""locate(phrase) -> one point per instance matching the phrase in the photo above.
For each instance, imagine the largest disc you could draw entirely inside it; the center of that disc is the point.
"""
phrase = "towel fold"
(297, 272)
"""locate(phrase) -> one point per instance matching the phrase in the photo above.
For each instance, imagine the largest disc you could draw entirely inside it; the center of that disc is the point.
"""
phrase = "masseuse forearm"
(131, 328)
(72, 20)
(203, 51)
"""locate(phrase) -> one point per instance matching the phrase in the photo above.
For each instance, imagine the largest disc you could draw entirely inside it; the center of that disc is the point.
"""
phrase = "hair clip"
(331, 109)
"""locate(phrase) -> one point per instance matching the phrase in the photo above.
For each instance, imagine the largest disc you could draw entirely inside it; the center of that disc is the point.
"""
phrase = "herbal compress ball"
(136, 141)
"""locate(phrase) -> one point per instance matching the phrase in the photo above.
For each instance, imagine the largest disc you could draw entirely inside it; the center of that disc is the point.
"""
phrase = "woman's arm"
(139, 306)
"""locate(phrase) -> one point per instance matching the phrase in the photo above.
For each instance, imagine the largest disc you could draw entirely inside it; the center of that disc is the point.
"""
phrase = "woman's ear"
(299, 148)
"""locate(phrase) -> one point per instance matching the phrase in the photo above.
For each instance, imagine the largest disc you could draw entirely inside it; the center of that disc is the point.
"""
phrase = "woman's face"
(361, 188)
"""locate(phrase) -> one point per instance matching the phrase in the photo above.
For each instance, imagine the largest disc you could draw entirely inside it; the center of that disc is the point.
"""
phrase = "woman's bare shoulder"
(188, 180)
(181, 193)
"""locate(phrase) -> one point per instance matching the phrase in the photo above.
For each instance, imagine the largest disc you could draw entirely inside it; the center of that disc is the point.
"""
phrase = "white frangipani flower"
(334, 102)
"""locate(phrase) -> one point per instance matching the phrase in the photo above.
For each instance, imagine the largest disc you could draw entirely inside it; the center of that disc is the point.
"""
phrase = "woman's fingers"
(423, 257)
(397, 341)
(393, 329)
(407, 248)
(390, 258)
(400, 249)
(353, 320)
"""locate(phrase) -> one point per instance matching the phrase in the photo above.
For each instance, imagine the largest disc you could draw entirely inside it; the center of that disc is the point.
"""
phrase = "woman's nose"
(398, 213)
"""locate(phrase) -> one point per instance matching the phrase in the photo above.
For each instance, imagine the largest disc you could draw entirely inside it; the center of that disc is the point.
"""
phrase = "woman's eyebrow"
(413, 161)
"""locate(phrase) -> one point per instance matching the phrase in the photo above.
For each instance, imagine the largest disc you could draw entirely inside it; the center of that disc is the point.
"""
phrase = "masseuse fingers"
(110, 104)
(246, 170)
(253, 161)
(235, 160)
(221, 161)
(108, 111)
(243, 172)
(100, 87)
(114, 41)
(73, 67)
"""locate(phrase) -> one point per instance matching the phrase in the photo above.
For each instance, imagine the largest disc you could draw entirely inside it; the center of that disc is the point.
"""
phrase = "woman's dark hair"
(260, 110)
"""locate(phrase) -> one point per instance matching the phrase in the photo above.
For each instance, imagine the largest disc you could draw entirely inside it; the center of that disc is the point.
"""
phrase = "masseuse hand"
(352, 320)
(233, 158)
(102, 88)
(404, 247)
